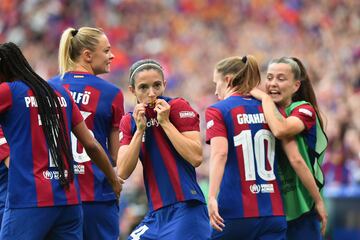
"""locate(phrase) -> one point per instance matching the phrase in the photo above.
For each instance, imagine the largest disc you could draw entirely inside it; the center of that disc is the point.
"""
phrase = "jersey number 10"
(254, 150)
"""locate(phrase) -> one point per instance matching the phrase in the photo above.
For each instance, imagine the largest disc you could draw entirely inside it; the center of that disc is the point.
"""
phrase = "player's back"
(101, 104)
(33, 177)
(249, 187)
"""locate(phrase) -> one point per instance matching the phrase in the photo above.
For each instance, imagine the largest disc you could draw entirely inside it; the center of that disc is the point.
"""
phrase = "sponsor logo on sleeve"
(2, 141)
(209, 124)
(187, 114)
(305, 111)
(121, 136)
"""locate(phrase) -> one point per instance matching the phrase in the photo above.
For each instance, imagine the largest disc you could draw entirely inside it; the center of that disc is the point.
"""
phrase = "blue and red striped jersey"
(306, 113)
(250, 184)
(4, 147)
(4, 153)
(168, 177)
(33, 177)
(102, 105)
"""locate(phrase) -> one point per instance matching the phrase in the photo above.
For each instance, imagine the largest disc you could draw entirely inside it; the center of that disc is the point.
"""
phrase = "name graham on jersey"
(31, 101)
(250, 118)
(82, 98)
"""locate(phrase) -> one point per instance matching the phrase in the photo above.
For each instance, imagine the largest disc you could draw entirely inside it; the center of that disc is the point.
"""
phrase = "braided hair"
(15, 67)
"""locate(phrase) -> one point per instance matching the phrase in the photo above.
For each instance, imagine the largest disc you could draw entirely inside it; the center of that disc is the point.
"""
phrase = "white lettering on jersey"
(261, 188)
(82, 98)
(31, 101)
(79, 169)
(251, 118)
(152, 122)
(48, 174)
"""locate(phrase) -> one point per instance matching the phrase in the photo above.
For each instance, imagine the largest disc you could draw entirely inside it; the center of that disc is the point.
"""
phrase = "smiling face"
(280, 83)
(101, 57)
(148, 85)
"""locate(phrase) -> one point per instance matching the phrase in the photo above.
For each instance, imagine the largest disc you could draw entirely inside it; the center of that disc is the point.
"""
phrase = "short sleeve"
(306, 113)
(5, 97)
(117, 108)
(215, 125)
(4, 147)
(183, 116)
(125, 134)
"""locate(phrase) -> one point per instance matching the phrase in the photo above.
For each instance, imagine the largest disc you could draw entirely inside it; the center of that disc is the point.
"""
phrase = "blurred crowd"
(188, 37)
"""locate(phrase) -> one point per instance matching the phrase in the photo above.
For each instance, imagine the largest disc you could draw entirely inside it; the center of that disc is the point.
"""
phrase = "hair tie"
(74, 32)
(244, 59)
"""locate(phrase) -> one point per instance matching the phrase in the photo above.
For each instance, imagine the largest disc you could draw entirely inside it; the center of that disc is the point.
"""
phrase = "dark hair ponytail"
(306, 91)
(14, 66)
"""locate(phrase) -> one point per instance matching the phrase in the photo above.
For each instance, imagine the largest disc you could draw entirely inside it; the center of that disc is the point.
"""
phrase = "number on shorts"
(136, 234)
(261, 138)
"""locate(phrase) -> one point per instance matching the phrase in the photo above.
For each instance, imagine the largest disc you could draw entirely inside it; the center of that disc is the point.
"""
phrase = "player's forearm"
(301, 169)
(216, 168)
(307, 179)
(128, 156)
(113, 144)
(189, 149)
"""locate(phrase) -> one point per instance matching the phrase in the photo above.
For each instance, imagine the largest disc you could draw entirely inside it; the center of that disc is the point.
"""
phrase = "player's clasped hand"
(216, 221)
(162, 108)
(117, 186)
(139, 116)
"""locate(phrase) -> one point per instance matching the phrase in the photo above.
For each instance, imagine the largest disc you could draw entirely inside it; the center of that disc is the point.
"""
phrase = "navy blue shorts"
(305, 227)
(56, 223)
(101, 220)
(262, 228)
(179, 221)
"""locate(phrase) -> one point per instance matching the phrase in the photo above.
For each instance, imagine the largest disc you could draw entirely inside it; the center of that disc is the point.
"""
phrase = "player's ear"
(131, 89)
(87, 55)
(228, 78)
(165, 82)
(296, 86)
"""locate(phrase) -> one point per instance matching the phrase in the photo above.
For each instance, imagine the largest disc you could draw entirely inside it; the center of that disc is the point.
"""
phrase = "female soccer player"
(289, 87)
(164, 133)
(83, 54)
(37, 119)
(244, 196)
